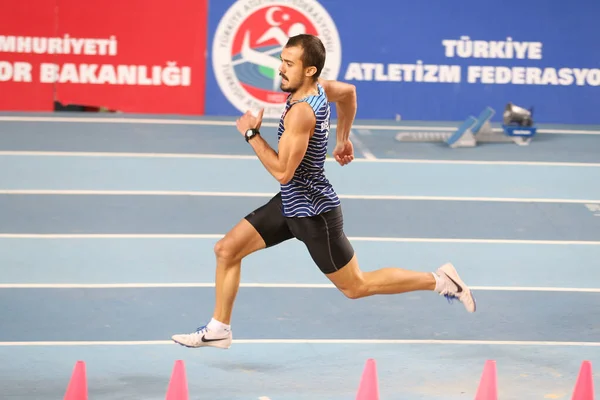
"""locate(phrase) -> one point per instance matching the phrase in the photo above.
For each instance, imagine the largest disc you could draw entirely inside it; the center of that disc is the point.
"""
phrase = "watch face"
(249, 134)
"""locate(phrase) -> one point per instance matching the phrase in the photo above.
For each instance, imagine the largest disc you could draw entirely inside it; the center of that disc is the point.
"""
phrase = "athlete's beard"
(289, 89)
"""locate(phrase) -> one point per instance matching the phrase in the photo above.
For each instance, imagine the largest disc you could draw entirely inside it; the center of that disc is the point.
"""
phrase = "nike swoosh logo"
(460, 289)
(205, 340)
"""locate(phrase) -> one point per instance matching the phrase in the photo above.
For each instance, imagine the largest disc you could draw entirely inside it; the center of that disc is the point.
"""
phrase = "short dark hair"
(313, 54)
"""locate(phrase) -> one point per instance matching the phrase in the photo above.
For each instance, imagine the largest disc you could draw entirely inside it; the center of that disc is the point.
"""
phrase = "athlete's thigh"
(264, 227)
(324, 237)
(239, 242)
(269, 222)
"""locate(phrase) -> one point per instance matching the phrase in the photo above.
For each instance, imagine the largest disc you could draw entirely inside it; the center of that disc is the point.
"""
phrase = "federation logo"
(248, 42)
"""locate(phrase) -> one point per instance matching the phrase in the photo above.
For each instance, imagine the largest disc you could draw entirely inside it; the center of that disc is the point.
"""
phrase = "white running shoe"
(203, 337)
(455, 288)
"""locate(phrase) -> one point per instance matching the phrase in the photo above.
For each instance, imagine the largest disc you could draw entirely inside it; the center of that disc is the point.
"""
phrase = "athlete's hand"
(249, 121)
(344, 153)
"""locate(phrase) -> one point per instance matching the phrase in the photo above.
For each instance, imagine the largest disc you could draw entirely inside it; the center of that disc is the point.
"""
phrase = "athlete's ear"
(310, 71)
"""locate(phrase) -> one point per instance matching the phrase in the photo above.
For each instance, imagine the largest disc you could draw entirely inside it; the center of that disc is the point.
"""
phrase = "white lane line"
(261, 285)
(352, 238)
(254, 158)
(61, 192)
(47, 236)
(361, 146)
(168, 121)
(311, 341)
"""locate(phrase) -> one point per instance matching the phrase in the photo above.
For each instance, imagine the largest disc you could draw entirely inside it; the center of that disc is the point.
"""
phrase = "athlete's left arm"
(298, 124)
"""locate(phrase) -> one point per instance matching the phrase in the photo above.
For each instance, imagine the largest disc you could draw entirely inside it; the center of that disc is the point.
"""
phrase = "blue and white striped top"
(309, 192)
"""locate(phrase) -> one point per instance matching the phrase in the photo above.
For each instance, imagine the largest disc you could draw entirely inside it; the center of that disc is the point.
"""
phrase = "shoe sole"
(197, 347)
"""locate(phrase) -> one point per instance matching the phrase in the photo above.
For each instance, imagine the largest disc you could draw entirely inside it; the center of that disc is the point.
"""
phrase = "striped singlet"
(309, 193)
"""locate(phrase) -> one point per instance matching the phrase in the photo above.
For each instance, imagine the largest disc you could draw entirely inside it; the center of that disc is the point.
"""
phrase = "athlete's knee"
(355, 291)
(227, 250)
(354, 288)
(349, 279)
(240, 241)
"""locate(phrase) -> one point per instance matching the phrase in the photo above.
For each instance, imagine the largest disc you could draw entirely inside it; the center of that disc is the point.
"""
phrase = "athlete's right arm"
(344, 96)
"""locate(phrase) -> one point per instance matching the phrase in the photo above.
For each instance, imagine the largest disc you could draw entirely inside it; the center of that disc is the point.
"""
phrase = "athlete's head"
(302, 60)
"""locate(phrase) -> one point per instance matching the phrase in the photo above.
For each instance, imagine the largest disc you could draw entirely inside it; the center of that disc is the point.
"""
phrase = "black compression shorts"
(322, 234)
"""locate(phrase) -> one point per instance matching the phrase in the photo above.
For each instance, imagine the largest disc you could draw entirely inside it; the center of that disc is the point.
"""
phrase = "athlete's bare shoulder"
(337, 91)
(299, 117)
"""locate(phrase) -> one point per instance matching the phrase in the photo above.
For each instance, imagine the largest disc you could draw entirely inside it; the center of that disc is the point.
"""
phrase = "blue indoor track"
(107, 228)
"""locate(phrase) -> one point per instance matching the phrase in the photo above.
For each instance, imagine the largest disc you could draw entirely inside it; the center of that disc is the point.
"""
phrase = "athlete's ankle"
(218, 326)
(439, 283)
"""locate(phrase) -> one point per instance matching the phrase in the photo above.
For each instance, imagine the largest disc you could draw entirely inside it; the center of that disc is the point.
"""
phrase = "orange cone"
(77, 389)
(488, 385)
(584, 388)
(369, 387)
(178, 387)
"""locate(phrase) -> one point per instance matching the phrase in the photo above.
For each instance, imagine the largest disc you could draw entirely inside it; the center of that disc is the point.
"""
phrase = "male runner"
(307, 207)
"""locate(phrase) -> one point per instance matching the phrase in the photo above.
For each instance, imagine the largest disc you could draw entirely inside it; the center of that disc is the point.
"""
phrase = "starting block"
(464, 136)
(473, 131)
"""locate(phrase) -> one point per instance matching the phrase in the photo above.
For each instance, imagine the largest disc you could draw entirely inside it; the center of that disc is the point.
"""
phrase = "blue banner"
(417, 60)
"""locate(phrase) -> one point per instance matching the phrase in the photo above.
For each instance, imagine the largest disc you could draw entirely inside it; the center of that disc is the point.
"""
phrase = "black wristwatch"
(250, 133)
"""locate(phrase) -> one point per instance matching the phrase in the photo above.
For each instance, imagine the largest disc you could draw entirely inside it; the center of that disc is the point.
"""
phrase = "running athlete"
(307, 207)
